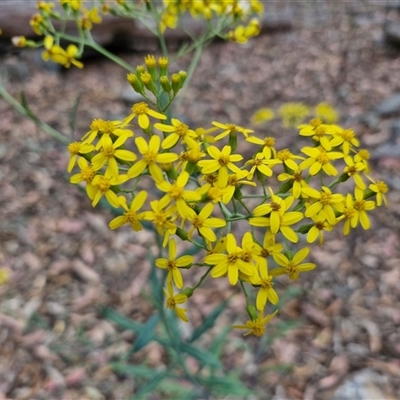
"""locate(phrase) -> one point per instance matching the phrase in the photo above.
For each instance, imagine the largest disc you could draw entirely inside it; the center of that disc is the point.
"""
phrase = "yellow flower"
(151, 157)
(266, 291)
(316, 231)
(345, 137)
(176, 192)
(221, 162)
(352, 170)
(44, 6)
(287, 158)
(278, 216)
(267, 145)
(380, 188)
(102, 129)
(363, 155)
(74, 4)
(53, 51)
(110, 153)
(89, 18)
(37, 23)
(203, 223)
(103, 184)
(318, 132)
(87, 175)
(230, 263)
(19, 41)
(131, 214)
(142, 111)
(162, 219)
(300, 186)
(172, 302)
(327, 113)
(4, 276)
(178, 130)
(262, 115)
(172, 264)
(230, 129)
(235, 181)
(75, 149)
(327, 202)
(256, 327)
(293, 114)
(292, 267)
(319, 159)
(262, 164)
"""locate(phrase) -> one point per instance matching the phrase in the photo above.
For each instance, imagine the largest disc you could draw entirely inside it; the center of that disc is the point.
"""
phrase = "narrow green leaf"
(152, 384)
(121, 321)
(138, 371)
(203, 355)
(147, 333)
(209, 321)
(218, 343)
(226, 385)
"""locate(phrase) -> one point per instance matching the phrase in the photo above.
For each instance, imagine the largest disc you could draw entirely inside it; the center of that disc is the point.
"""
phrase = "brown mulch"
(344, 317)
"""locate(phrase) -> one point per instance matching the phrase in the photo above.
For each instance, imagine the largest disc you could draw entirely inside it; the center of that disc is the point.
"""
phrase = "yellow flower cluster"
(199, 194)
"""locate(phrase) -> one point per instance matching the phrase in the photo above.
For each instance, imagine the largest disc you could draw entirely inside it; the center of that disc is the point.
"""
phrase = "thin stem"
(40, 124)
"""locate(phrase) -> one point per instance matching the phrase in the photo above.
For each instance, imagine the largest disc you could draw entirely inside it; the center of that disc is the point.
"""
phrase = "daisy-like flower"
(151, 157)
(299, 186)
(356, 211)
(177, 131)
(230, 129)
(293, 114)
(172, 264)
(101, 129)
(102, 185)
(326, 113)
(53, 51)
(162, 218)
(292, 267)
(70, 54)
(277, 211)
(131, 214)
(221, 162)
(344, 137)
(109, 153)
(380, 188)
(262, 115)
(288, 158)
(256, 327)
(87, 175)
(318, 132)
(352, 169)
(142, 111)
(75, 149)
(262, 164)
(319, 159)
(203, 223)
(230, 263)
(363, 155)
(327, 202)
(316, 231)
(172, 302)
(266, 291)
(176, 192)
(267, 144)
(235, 181)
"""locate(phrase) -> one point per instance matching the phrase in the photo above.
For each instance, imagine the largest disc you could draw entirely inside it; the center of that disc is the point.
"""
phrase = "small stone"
(389, 106)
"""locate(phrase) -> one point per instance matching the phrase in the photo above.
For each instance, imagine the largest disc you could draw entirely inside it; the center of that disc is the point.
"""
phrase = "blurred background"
(337, 335)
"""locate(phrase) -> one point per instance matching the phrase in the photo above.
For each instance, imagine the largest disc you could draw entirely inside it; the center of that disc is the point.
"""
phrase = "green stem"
(40, 124)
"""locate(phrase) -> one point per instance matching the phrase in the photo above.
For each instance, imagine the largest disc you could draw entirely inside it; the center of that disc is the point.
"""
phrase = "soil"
(64, 262)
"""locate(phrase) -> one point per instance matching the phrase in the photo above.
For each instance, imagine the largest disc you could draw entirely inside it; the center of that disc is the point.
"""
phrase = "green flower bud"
(176, 83)
(164, 81)
(182, 234)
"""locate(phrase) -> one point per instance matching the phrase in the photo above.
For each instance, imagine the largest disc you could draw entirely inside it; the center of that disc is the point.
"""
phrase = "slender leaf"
(147, 333)
(218, 343)
(122, 321)
(203, 355)
(209, 321)
(138, 371)
(152, 384)
(226, 385)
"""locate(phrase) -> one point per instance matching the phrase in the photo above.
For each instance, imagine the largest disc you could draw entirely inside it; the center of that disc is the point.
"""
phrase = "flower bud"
(135, 82)
(148, 82)
(176, 83)
(182, 234)
(182, 75)
(163, 65)
(164, 81)
(151, 64)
